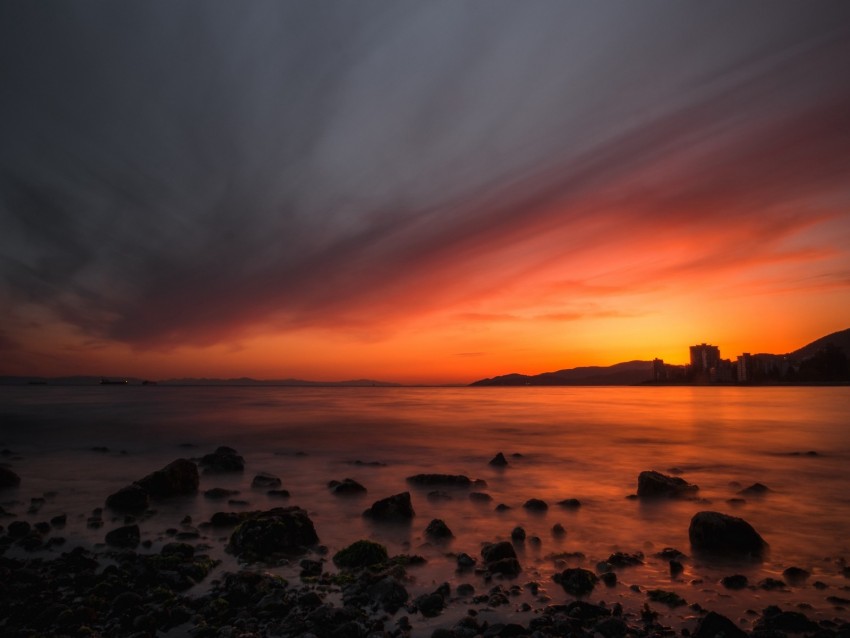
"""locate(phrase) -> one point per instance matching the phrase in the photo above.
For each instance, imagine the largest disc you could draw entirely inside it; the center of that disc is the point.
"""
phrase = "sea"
(73, 446)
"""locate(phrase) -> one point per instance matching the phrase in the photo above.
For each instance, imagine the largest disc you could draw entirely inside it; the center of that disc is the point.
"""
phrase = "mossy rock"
(360, 554)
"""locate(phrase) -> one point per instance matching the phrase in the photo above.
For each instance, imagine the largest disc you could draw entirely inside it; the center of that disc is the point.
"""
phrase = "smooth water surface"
(584, 443)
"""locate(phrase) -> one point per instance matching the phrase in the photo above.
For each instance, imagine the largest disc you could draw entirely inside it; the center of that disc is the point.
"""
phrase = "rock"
(8, 478)
(18, 529)
(577, 581)
(465, 561)
(499, 460)
(265, 480)
(669, 598)
(771, 584)
(535, 505)
(389, 594)
(721, 533)
(177, 478)
(437, 530)
(621, 559)
(396, 508)
(360, 554)
(446, 480)
(518, 534)
(217, 493)
(224, 459)
(132, 498)
(128, 536)
(796, 575)
(713, 625)
(282, 530)
(480, 497)
(612, 628)
(278, 493)
(609, 579)
(774, 619)
(558, 530)
(501, 558)
(435, 496)
(676, 568)
(736, 581)
(756, 489)
(656, 485)
(570, 503)
(346, 487)
(429, 605)
(59, 520)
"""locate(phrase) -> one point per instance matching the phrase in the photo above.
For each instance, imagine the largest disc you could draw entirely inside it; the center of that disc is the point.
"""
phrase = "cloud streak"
(172, 177)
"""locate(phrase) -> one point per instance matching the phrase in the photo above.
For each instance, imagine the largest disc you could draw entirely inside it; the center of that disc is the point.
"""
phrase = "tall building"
(704, 358)
(745, 368)
(659, 371)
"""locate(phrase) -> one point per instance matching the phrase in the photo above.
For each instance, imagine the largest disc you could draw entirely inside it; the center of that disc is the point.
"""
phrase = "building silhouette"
(704, 358)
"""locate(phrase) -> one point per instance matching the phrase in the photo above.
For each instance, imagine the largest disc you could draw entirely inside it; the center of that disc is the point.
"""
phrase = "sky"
(418, 192)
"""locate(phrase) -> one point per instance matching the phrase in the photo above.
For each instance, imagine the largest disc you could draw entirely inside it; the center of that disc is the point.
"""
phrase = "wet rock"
(18, 529)
(721, 533)
(671, 553)
(396, 508)
(436, 496)
(774, 619)
(132, 498)
(558, 530)
(736, 581)
(771, 584)
(177, 478)
(59, 520)
(713, 625)
(224, 459)
(360, 554)
(676, 568)
(389, 593)
(227, 519)
(501, 507)
(756, 489)
(499, 460)
(218, 493)
(265, 480)
(656, 485)
(535, 505)
(480, 497)
(669, 598)
(278, 493)
(437, 530)
(465, 561)
(796, 575)
(346, 487)
(282, 530)
(8, 478)
(429, 605)
(127, 536)
(518, 534)
(447, 480)
(621, 559)
(570, 503)
(609, 579)
(611, 628)
(576, 581)
(501, 558)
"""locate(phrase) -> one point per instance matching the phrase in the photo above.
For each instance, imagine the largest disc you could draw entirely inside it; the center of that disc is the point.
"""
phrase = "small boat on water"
(105, 381)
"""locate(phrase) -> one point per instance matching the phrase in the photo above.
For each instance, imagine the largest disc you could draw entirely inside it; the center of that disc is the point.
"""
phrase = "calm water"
(585, 443)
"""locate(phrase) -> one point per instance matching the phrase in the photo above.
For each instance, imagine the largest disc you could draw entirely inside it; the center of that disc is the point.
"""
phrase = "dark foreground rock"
(714, 625)
(437, 530)
(130, 499)
(656, 485)
(127, 536)
(499, 460)
(175, 479)
(396, 508)
(266, 480)
(577, 581)
(501, 558)
(8, 478)
(714, 532)
(264, 535)
(360, 554)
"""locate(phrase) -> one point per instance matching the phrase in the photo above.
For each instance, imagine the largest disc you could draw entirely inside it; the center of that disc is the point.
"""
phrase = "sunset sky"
(427, 192)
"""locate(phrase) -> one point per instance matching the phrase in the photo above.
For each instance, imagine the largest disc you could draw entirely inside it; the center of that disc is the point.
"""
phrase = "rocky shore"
(134, 584)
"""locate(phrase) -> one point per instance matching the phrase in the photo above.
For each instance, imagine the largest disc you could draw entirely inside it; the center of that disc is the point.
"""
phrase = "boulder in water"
(346, 487)
(657, 485)
(177, 478)
(8, 478)
(282, 530)
(396, 508)
(127, 536)
(224, 459)
(577, 581)
(499, 460)
(130, 499)
(714, 532)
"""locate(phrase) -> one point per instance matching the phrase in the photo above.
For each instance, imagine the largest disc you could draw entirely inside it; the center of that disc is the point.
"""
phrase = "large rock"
(282, 530)
(224, 459)
(437, 530)
(656, 485)
(360, 554)
(177, 478)
(131, 499)
(501, 558)
(346, 487)
(8, 478)
(396, 508)
(714, 532)
(389, 593)
(713, 625)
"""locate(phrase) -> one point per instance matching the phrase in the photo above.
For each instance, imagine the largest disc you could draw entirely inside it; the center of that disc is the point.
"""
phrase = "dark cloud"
(177, 173)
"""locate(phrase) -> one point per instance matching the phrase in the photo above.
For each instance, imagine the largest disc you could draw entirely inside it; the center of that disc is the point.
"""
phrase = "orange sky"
(420, 197)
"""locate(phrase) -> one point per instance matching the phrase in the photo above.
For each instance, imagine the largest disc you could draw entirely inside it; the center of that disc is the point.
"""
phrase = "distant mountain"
(627, 373)
(840, 340)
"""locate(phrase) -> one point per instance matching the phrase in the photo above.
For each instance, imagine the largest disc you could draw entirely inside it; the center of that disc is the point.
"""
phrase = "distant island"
(202, 381)
(823, 361)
